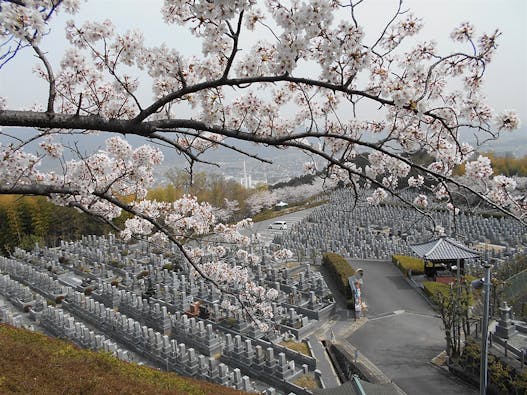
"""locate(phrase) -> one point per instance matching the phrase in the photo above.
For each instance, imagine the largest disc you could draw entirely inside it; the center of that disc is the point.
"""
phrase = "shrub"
(64, 260)
(503, 378)
(143, 274)
(117, 264)
(432, 288)
(341, 270)
(88, 291)
(407, 263)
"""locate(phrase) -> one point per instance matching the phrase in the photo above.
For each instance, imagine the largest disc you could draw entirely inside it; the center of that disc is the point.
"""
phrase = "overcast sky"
(506, 78)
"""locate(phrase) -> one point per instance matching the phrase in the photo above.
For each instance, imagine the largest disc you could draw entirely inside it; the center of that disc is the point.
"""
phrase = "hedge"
(341, 270)
(432, 288)
(407, 263)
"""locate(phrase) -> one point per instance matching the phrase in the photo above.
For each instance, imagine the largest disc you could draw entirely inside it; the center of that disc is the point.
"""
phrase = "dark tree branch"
(51, 77)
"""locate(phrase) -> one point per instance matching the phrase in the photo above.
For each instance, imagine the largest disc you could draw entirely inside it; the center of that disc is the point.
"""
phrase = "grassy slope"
(32, 363)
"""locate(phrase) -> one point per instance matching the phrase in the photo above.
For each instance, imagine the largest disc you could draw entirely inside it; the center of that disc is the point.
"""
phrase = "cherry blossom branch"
(21, 118)
(390, 22)
(441, 60)
(178, 147)
(246, 81)
(235, 35)
(180, 247)
(51, 77)
(212, 141)
(10, 54)
(352, 8)
(111, 68)
(36, 189)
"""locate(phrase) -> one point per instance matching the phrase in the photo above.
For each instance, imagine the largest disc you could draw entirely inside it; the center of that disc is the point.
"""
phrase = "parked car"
(278, 225)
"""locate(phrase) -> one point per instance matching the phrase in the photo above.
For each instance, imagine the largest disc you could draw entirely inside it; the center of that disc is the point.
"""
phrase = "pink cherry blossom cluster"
(378, 196)
(421, 201)
(282, 254)
(29, 23)
(302, 84)
(480, 168)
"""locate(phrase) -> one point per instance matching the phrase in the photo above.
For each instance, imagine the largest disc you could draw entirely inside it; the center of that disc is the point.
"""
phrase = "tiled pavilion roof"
(443, 249)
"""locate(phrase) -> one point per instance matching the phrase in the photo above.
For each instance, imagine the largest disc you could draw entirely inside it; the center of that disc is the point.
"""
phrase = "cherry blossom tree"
(263, 200)
(302, 83)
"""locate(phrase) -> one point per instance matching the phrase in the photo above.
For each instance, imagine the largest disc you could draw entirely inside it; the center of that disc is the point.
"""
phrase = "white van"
(278, 225)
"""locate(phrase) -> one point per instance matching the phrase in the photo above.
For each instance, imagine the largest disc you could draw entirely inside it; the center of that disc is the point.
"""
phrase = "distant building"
(247, 181)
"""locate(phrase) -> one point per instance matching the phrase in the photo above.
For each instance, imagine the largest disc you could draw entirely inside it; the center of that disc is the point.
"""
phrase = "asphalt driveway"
(402, 333)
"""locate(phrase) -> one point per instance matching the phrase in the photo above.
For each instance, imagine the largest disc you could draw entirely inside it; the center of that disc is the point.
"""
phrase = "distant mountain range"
(514, 143)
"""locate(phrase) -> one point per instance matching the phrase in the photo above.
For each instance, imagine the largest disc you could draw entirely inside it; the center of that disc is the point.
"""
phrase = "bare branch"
(51, 77)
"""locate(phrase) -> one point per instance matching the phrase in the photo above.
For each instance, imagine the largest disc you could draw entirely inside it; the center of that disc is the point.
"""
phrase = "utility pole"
(485, 332)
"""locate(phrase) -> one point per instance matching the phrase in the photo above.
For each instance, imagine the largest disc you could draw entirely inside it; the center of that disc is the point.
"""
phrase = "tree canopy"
(301, 82)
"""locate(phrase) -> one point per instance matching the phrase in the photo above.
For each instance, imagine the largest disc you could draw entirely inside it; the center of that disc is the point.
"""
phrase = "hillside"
(33, 363)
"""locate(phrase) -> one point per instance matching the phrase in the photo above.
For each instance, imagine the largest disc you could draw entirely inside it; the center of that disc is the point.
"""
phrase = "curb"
(365, 366)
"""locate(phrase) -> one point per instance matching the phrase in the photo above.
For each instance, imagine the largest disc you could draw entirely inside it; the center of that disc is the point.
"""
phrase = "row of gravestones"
(188, 285)
(360, 244)
(8, 317)
(135, 305)
(102, 251)
(161, 348)
(171, 289)
(149, 343)
(41, 282)
(63, 325)
(401, 217)
(395, 214)
(20, 295)
(308, 280)
(377, 231)
(306, 301)
(144, 340)
(477, 226)
(175, 295)
(198, 333)
(54, 320)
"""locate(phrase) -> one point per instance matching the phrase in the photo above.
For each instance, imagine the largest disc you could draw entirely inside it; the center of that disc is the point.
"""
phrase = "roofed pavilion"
(444, 252)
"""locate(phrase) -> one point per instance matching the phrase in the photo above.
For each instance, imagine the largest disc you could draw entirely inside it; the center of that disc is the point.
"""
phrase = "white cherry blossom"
(301, 85)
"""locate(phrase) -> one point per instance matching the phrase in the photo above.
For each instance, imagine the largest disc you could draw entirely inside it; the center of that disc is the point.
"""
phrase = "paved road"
(402, 334)
(267, 234)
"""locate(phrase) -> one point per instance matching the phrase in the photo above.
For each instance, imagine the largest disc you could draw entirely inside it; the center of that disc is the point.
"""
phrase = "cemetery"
(378, 232)
(145, 305)
(93, 292)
